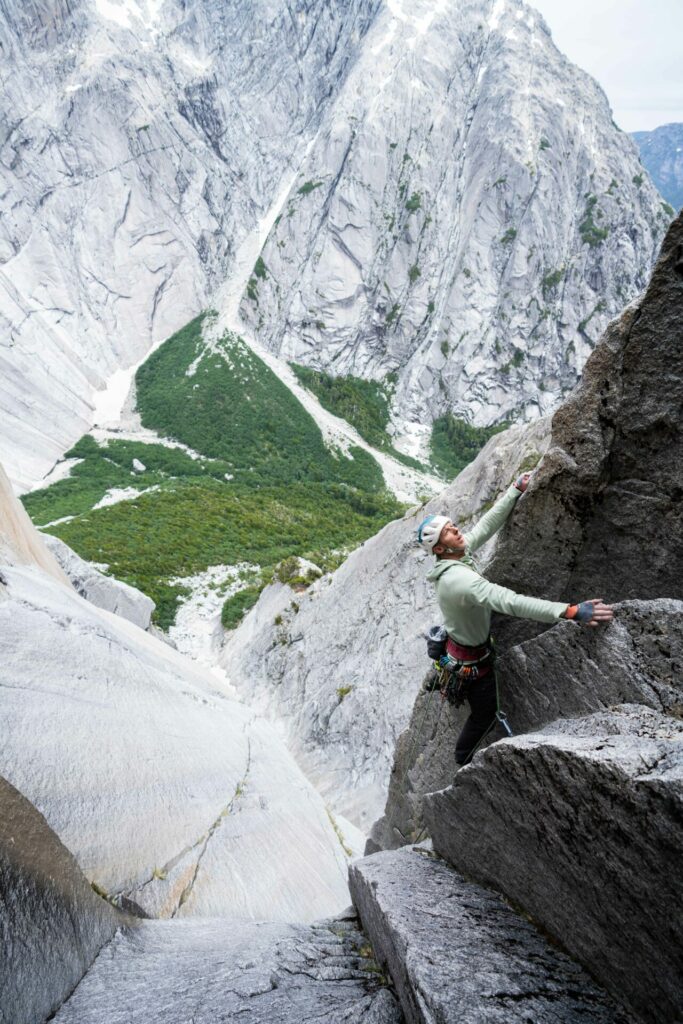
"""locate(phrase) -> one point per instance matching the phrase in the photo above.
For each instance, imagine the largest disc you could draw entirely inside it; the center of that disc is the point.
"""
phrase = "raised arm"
(492, 521)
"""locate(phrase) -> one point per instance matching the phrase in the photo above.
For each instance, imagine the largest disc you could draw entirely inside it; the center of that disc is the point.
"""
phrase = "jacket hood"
(440, 568)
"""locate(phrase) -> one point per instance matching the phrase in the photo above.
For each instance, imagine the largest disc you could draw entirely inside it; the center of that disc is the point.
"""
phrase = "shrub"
(552, 279)
(509, 236)
(591, 234)
(308, 187)
(414, 273)
(414, 203)
(393, 314)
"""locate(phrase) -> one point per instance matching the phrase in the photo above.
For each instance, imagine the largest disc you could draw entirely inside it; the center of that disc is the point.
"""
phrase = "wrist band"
(571, 611)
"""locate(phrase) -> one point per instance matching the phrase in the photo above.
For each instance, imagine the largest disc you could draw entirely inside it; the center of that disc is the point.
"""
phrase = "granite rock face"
(52, 925)
(458, 953)
(466, 218)
(209, 971)
(582, 826)
(602, 517)
(137, 153)
(103, 591)
(340, 671)
(157, 766)
(568, 671)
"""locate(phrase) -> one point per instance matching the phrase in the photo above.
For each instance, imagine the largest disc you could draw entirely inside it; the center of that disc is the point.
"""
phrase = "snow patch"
(56, 522)
(116, 494)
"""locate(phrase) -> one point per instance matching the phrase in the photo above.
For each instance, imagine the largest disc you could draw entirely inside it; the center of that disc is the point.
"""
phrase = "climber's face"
(450, 537)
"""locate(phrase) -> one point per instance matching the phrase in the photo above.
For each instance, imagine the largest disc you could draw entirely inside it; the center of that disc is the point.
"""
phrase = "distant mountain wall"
(661, 151)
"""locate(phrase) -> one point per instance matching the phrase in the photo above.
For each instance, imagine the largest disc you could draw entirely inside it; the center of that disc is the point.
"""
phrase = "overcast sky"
(633, 47)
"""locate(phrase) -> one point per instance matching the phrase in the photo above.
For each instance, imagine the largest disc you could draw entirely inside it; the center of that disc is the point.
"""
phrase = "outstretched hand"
(594, 612)
(522, 482)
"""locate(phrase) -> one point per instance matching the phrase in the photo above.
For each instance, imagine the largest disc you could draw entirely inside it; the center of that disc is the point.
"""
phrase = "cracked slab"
(458, 954)
(581, 825)
(151, 754)
(207, 971)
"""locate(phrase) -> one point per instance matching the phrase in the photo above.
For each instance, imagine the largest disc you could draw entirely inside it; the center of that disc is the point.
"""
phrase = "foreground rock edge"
(581, 825)
(457, 952)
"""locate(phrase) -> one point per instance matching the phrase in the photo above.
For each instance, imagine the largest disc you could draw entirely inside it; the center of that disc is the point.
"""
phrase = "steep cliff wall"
(163, 788)
(137, 153)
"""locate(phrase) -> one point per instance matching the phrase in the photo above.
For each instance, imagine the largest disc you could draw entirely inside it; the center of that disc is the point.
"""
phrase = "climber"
(467, 598)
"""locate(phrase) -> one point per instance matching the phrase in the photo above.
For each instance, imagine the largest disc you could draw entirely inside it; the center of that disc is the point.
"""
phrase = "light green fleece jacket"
(466, 598)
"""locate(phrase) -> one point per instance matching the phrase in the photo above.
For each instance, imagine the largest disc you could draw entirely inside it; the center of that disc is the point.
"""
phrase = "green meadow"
(262, 487)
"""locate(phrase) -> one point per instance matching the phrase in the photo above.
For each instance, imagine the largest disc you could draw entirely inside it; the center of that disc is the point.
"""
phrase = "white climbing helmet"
(429, 531)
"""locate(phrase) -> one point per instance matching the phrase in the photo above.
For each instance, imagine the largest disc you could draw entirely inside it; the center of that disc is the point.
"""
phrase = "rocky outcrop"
(466, 219)
(208, 971)
(457, 952)
(103, 591)
(52, 925)
(567, 671)
(339, 666)
(582, 826)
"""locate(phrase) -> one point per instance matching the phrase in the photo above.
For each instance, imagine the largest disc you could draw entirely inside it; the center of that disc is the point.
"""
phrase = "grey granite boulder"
(52, 925)
(569, 671)
(458, 954)
(210, 971)
(103, 591)
(581, 825)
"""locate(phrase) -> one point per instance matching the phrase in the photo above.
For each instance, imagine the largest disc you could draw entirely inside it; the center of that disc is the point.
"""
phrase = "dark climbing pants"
(481, 697)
